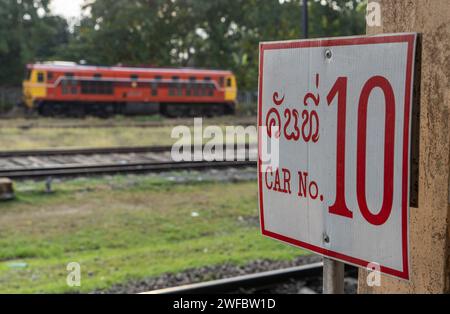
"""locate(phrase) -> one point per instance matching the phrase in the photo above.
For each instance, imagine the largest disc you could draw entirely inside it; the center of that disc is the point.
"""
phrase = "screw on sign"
(340, 111)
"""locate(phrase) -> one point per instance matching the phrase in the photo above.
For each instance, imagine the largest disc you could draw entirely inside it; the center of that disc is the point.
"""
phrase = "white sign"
(340, 112)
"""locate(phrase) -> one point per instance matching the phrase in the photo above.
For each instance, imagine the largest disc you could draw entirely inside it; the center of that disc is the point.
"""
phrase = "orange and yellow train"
(63, 88)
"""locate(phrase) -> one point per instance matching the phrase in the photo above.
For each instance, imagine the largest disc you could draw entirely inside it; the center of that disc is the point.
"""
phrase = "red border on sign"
(401, 38)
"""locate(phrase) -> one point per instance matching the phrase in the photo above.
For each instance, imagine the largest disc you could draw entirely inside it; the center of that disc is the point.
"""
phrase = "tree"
(122, 31)
(213, 34)
(27, 33)
(331, 18)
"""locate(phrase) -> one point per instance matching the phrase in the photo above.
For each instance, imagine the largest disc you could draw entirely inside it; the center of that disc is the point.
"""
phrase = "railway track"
(84, 151)
(111, 169)
(254, 283)
(81, 162)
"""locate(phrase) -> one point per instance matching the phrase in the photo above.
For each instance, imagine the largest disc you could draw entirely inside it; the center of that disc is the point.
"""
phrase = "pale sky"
(67, 8)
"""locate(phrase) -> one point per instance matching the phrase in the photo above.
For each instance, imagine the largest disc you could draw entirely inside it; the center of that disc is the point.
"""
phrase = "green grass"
(53, 134)
(16, 139)
(124, 228)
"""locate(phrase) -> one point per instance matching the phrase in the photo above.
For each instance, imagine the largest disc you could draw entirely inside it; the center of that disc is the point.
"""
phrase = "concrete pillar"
(429, 223)
(6, 189)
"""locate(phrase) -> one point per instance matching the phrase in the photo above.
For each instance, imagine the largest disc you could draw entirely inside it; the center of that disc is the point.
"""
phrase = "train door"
(230, 89)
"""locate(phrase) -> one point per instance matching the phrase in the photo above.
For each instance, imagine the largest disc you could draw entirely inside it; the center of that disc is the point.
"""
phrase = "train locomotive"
(69, 89)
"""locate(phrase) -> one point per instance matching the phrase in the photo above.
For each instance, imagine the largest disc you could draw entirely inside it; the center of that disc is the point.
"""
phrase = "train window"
(179, 86)
(207, 87)
(73, 86)
(189, 87)
(65, 89)
(155, 85)
(134, 77)
(211, 90)
(97, 76)
(66, 82)
(84, 87)
(197, 90)
(175, 87)
(229, 82)
(105, 88)
(50, 76)
(171, 89)
(40, 77)
(221, 81)
(98, 88)
(108, 88)
(202, 90)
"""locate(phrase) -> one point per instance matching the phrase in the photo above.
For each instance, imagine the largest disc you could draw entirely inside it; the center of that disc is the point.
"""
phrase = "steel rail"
(96, 151)
(70, 171)
(84, 151)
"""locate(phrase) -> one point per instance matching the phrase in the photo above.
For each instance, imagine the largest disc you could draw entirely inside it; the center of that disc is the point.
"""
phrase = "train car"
(69, 89)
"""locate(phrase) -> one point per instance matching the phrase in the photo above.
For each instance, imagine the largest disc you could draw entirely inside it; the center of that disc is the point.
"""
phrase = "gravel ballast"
(208, 273)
